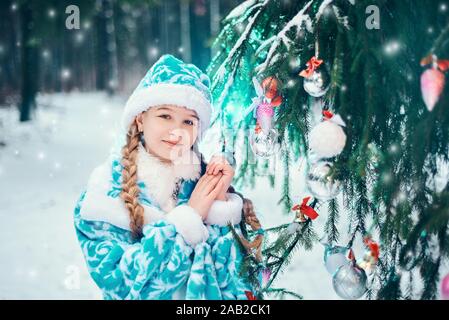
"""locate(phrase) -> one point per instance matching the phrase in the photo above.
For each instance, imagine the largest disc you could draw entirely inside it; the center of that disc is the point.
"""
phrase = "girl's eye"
(189, 122)
(165, 116)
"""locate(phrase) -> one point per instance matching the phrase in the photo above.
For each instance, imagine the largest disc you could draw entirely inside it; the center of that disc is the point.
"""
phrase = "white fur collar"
(159, 178)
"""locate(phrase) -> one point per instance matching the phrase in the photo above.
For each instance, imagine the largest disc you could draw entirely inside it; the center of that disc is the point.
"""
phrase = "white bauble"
(327, 139)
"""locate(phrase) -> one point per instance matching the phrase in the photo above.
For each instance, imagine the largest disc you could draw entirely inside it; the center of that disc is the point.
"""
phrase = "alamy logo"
(373, 20)
(73, 20)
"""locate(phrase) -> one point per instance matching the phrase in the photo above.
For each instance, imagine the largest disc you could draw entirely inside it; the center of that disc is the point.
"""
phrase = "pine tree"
(391, 165)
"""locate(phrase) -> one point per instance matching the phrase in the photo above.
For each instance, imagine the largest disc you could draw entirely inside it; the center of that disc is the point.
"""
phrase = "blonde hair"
(130, 189)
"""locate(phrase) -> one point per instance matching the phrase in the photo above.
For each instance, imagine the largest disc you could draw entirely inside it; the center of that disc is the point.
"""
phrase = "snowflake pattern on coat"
(161, 262)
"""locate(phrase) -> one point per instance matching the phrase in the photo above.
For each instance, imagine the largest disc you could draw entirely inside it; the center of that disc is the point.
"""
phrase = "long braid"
(130, 189)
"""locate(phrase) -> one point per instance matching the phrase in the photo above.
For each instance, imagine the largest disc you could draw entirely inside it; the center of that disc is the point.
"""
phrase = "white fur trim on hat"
(222, 212)
(188, 223)
(167, 93)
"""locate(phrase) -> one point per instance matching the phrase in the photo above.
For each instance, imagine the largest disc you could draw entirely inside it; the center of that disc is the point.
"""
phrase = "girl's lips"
(171, 144)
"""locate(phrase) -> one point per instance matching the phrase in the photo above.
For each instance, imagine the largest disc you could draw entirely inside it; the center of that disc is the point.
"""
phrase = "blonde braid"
(130, 189)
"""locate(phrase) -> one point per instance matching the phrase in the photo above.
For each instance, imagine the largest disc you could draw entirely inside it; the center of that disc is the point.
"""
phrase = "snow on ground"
(43, 169)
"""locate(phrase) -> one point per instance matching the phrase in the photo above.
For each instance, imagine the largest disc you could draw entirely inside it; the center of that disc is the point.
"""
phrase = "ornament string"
(440, 40)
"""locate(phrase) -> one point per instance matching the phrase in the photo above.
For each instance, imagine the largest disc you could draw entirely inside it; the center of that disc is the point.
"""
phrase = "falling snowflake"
(51, 13)
(392, 47)
(65, 74)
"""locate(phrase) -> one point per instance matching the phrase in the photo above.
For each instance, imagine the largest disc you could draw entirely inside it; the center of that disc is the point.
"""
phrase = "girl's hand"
(205, 192)
(219, 164)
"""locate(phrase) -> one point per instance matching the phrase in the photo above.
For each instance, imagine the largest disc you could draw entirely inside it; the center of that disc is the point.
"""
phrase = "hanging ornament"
(263, 138)
(371, 255)
(433, 80)
(334, 257)
(267, 98)
(263, 145)
(320, 183)
(316, 78)
(349, 281)
(327, 139)
(445, 287)
(302, 210)
(271, 99)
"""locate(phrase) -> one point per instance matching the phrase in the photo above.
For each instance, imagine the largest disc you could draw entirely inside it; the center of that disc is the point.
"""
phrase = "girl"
(152, 222)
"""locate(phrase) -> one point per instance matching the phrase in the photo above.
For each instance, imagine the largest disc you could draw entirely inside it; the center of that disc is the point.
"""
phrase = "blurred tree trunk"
(185, 30)
(100, 45)
(9, 55)
(29, 57)
(106, 47)
(200, 27)
(214, 22)
(165, 28)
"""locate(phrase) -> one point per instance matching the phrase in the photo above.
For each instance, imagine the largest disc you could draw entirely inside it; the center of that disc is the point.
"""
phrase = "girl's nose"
(176, 135)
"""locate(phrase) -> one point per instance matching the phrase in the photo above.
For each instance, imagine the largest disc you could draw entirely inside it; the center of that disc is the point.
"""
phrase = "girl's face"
(168, 130)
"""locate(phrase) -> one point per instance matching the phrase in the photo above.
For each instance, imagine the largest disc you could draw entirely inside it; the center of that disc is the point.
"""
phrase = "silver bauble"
(264, 145)
(349, 281)
(318, 83)
(335, 257)
(320, 184)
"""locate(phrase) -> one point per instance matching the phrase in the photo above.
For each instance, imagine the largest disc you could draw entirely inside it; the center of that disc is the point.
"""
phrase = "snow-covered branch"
(281, 37)
(222, 69)
(242, 9)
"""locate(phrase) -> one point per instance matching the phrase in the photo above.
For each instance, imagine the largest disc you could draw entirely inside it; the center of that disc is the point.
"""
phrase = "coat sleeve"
(151, 268)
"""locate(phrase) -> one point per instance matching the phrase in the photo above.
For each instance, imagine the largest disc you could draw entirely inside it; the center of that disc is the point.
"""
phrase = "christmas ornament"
(263, 138)
(266, 100)
(371, 255)
(319, 183)
(327, 139)
(349, 281)
(433, 80)
(263, 145)
(316, 78)
(334, 257)
(303, 210)
(445, 287)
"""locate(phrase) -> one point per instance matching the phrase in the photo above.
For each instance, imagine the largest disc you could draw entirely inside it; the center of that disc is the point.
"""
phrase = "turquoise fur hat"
(172, 81)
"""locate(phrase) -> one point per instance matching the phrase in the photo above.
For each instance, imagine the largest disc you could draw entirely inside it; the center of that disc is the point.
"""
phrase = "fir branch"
(281, 292)
(330, 228)
(281, 37)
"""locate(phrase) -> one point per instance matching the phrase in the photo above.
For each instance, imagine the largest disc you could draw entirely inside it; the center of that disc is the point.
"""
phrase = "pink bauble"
(445, 288)
(432, 85)
(265, 114)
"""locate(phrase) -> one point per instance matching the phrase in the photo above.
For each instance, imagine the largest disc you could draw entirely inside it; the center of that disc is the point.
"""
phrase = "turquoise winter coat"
(179, 255)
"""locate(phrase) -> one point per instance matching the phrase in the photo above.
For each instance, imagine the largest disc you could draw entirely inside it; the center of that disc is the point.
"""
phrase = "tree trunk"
(29, 63)
(214, 22)
(185, 31)
(111, 42)
(100, 47)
